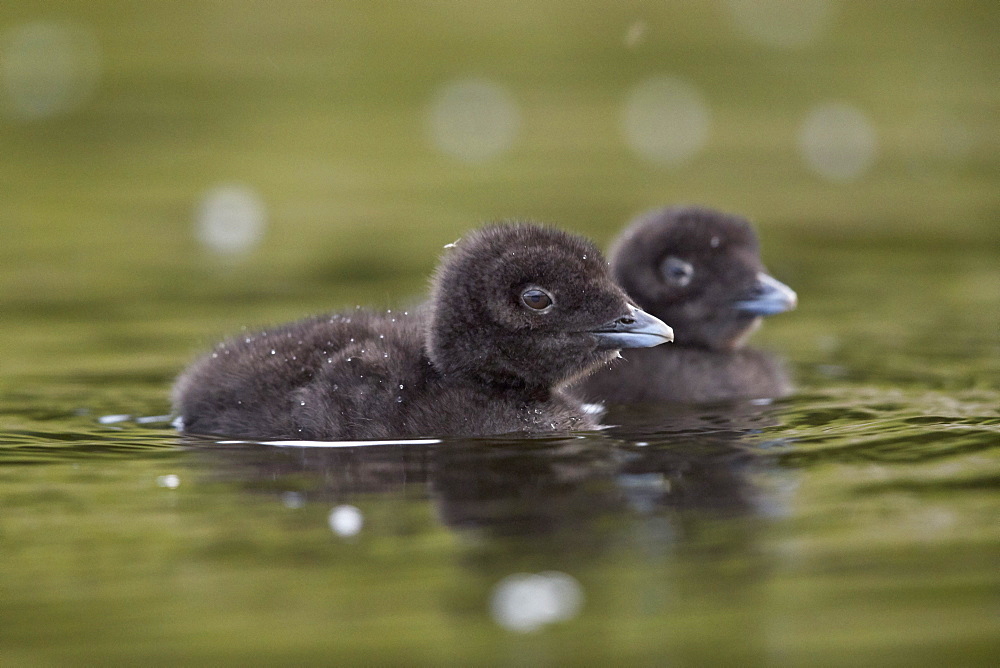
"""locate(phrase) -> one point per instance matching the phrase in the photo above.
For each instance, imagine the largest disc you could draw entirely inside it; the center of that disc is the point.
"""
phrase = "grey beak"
(767, 297)
(636, 330)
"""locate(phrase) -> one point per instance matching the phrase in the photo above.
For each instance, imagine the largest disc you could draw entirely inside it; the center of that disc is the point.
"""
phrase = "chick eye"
(537, 299)
(677, 271)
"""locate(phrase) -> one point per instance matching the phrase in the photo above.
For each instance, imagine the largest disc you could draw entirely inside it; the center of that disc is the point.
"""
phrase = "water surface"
(854, 522)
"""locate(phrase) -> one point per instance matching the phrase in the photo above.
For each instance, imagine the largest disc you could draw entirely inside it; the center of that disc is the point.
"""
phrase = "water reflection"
(551, 531)
(575, 490)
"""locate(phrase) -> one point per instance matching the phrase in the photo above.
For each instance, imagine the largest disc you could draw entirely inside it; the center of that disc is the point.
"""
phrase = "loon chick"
(517, 310)
(700, 270)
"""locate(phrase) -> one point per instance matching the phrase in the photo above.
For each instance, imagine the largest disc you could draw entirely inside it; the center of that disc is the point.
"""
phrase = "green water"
(854, 523)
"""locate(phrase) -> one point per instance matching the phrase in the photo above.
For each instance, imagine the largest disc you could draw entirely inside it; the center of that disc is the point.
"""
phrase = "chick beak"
(768, 296)
(638, 329)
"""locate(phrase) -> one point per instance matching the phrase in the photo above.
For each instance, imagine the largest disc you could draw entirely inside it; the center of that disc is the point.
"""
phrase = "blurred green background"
(172, 171)
(347, 127)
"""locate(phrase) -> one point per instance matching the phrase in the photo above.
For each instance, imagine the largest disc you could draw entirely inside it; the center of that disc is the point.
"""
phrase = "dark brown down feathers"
(477, 360)
(700, 271)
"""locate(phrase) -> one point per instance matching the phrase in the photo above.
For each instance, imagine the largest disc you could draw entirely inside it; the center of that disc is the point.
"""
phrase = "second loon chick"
(700, 270)
(516, 311)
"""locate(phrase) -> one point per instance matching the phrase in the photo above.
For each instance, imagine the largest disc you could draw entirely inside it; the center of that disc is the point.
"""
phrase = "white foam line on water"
(113, 419)
(333, 444)
(149, 419)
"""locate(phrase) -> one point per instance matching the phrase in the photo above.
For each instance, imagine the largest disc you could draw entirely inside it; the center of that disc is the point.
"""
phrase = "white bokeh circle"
(665, 120)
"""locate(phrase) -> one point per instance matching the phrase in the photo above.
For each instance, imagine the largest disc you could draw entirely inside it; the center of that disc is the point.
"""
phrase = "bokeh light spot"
(47, 68)
(787, 24)
(170, 481)
(838, 142)
(473, 119)
(293, 500)
(346, 520)
(525, 602)
(665, 120)
(231, 219)
(636, 34)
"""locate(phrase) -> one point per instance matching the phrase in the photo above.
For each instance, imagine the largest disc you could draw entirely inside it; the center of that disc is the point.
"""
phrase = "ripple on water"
(888, 426)
(60, 436)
